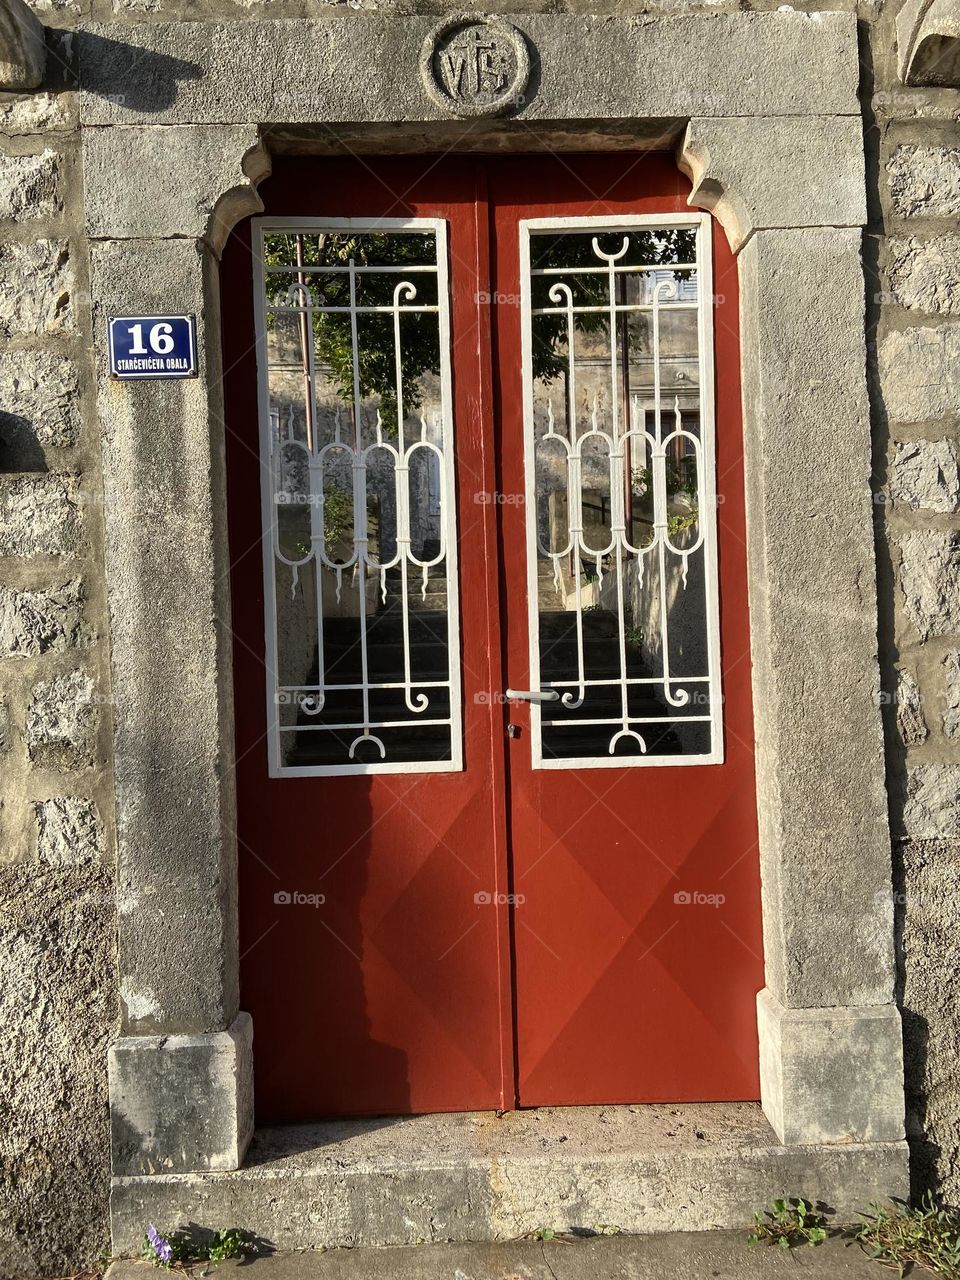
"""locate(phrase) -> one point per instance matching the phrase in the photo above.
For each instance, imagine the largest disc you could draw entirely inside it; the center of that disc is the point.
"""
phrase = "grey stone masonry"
(58, 973)
(721, 158)
(37, 113)
(62, 722)
(925, 274)
(172, 701)
(913, 284)
(808, 1059)
(930, 581)
(813, 867)
(35, 282)
(30, 186)
(925, 181)
(46, 620)
(69, 831)
(343, 67)
(920, 373)
(58, 1006)
(911, 722)
(182, 1102)
(208, 161)
(926, 475)
(932, 808)
(39, 402)
(484, 1177)
(951, 694)
(39, 515)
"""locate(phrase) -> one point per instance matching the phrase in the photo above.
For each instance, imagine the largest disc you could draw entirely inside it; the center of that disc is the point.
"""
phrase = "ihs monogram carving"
(475, 66)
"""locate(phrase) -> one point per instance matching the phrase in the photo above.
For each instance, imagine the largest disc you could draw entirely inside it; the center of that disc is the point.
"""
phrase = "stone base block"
(182, 1104)
(831, 1075)
(482, 1177)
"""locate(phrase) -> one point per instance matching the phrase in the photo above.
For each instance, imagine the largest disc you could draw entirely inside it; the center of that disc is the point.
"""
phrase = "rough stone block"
(182, 1103)
(920, 373)
(926, 475)
(69, 831)
(39, 406)
(35, 283)
(925, 181)
(58, 1018)
(30, 186)
(911, 724)
(6, 729)
(39, 515)
(951, 695)
(47, 620)
(931, 809)
(929, 872)
(62, 722)
(37, 113)
(925, 274)
(930, 580)
(737, 169)
(831, 1075)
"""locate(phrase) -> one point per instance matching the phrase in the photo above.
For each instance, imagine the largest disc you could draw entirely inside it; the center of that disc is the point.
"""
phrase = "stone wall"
(57, 891)
(57, 853)
(913, 259)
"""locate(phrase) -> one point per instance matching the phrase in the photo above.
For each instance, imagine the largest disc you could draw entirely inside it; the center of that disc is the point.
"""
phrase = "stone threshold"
(481, 1177)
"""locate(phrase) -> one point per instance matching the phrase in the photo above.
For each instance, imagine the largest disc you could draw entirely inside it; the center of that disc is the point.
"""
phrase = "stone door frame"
(179, 121)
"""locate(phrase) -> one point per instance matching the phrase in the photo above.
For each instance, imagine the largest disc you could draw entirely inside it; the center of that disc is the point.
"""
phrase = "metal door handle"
(534, 695)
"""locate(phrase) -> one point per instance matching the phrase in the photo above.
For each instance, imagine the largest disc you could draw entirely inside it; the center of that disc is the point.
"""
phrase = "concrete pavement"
(714, 1255)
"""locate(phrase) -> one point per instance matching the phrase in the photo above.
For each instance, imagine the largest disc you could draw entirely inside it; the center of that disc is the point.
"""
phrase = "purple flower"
(160, 1246)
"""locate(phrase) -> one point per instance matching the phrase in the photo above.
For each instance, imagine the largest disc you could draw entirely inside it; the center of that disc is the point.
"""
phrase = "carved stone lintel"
(23, 52)
(928, 42)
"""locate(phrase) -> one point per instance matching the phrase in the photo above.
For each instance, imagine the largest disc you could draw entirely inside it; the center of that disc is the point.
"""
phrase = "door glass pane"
(362, 650)
(621, 524)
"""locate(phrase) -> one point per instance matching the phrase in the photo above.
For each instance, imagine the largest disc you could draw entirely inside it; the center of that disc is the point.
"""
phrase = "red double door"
(509, 934)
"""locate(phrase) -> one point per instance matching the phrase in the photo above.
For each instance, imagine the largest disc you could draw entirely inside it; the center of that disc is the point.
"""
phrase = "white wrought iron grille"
(362, 644)
(620, 491)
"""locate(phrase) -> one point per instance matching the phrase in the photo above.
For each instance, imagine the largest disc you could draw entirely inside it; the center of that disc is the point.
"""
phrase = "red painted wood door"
(499, 934)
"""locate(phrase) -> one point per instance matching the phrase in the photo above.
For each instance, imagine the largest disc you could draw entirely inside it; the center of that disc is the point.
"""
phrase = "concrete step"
(479, 1177)
(723, 1255)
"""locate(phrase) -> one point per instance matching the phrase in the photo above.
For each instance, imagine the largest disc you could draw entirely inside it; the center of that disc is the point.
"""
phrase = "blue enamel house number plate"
(152, 346)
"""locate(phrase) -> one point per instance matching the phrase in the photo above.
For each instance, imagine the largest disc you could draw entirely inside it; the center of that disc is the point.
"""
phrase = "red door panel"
(393, 996)
(624, 994)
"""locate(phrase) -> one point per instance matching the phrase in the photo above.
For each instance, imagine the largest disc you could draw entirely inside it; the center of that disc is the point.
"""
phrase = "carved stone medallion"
(475, 66)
